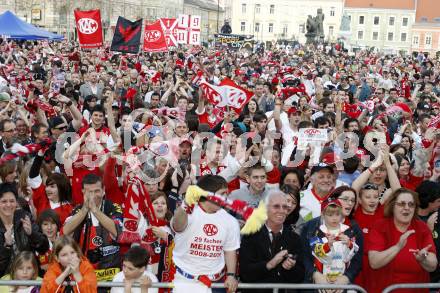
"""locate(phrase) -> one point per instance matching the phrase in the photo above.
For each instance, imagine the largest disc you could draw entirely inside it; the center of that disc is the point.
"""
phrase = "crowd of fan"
(361, 209)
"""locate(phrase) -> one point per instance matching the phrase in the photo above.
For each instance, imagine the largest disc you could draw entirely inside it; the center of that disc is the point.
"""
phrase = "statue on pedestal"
(226, 28)
(311, 30)
(315, 27)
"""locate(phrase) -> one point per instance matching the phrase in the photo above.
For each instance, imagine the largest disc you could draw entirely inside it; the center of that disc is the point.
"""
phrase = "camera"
(94, 255)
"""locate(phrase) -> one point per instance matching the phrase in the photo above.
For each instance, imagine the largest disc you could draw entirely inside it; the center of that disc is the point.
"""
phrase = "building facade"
(212, 14)
(271, 20)
(383, 24)
(426, 29)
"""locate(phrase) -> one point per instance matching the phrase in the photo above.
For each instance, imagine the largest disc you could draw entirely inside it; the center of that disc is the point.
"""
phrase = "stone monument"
(315, 28)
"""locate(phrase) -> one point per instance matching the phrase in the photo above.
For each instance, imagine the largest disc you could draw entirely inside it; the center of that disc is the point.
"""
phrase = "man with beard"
(322, 180)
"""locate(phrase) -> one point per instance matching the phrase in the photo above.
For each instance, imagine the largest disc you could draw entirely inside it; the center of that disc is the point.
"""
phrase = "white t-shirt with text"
(199, 249)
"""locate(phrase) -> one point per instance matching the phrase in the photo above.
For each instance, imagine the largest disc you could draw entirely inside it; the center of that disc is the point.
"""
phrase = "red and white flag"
(226, 94)
(198, 78)
(169, 27)
(89, 28)
(434, 122)
(188, 29)
(154, 38)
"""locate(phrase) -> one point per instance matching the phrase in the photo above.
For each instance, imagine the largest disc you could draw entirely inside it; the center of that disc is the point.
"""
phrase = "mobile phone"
(437, 164)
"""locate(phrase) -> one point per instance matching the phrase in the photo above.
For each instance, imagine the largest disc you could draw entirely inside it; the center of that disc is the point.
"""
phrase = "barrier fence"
(275, 287)
(411, 286)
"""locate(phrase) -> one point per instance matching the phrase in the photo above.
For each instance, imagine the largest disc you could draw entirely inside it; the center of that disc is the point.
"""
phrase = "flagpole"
(218, 13)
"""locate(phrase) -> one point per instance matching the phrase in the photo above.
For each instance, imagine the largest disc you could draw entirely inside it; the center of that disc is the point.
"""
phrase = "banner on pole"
(169, 27)
(154, 38)
(127, 37)
(188, 29)
(89, 27)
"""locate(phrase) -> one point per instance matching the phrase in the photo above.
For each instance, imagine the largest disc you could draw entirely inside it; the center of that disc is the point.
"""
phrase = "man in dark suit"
(273, 254)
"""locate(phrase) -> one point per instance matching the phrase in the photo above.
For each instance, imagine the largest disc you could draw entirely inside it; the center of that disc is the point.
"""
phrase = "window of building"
(330, 31)
(403, 37)
(243, 26)
(332, 11)
(424, 19)
(361, 19)
(416, 40)
(257, 27)
(257, 8)
(405, 21)
(375, 36)
(271, 27)
(302, 29)
(272, 9)
(285, 30)
(390, 37)
(428, 40)
(360, 35)
(243, 8)
(376, 20)
(391, 21)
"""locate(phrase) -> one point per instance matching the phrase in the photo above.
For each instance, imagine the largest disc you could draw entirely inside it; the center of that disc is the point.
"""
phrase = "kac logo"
(210, 229)
(152, 36)
(87, 26)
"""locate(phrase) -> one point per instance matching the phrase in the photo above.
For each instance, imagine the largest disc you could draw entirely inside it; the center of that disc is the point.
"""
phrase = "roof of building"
(384, 4)
(426, 11)
(205, 4)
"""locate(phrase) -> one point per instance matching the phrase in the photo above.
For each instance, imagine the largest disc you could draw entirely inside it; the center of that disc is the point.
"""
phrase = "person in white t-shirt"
(134, 270)
(206, 242)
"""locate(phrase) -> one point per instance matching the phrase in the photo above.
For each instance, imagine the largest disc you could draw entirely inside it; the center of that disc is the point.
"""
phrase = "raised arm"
(363, 178)
(111, 119)
(76, 114)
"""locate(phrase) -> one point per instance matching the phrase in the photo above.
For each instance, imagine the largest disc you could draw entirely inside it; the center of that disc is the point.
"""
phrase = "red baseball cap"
(330, 201)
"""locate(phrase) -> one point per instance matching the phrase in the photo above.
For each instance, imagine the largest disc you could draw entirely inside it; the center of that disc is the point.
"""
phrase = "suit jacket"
(255, 252)
(86, 90)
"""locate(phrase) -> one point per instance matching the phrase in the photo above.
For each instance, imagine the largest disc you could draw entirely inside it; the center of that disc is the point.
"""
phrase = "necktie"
(276, 237)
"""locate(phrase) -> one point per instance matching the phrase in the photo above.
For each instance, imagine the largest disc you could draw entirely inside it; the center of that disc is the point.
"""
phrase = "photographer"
(95, 225)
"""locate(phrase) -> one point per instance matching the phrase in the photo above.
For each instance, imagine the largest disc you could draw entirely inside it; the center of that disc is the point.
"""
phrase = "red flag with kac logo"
(154, 38)
(89, 28)
(228, 93)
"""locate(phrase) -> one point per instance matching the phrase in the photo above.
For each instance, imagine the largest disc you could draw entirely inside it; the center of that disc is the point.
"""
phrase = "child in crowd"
(23, 268)
(368, 212)
(49, 223)
(331, 247)
(69, 264)
(134, 269)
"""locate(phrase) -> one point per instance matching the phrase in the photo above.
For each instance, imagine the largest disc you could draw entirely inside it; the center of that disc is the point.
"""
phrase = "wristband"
(231, 275)
(371, 171)
(188, 209)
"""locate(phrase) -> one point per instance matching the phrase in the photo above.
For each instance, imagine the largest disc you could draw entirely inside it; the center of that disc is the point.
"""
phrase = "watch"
(231, 275)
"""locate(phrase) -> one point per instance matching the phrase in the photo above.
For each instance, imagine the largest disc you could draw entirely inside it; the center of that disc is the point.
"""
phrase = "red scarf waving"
(136, 204)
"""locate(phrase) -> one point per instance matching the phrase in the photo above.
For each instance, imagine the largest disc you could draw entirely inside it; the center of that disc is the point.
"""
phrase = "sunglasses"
(402, 204)
(370, 186)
